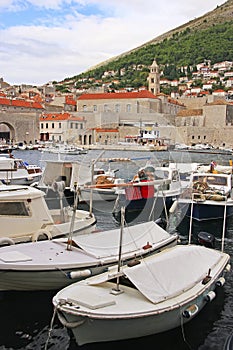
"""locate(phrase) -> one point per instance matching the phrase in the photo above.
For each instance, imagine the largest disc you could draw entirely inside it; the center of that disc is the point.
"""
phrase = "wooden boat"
(150, 296)
(25, 216)
(54, 264)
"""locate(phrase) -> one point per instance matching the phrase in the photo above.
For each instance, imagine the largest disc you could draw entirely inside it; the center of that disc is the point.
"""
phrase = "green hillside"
(209, 37)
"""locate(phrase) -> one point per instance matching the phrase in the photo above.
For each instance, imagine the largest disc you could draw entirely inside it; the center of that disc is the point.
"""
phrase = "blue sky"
(46, 40)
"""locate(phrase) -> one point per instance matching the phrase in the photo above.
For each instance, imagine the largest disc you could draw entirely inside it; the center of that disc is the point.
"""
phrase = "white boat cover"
(166, 275)
(106, 244)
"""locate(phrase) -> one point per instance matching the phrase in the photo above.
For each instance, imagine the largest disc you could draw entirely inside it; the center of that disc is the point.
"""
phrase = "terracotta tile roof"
(70, 101)
(117, 96)
(105, 130)
(20, 103)
(190, 112)
(217, 102)
(59, 116)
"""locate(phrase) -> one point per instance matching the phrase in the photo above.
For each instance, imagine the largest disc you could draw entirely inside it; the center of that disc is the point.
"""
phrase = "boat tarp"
(106, 244)
(173, 271)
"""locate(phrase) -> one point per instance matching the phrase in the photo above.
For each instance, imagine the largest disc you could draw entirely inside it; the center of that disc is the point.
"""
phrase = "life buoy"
(41, 232)
(6, 241)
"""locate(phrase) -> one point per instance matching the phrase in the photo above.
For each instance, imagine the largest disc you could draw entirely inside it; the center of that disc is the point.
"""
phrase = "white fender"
(6, 240)
(41, 232)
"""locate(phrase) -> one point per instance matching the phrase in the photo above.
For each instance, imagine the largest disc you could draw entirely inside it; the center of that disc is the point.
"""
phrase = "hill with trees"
(209, 37)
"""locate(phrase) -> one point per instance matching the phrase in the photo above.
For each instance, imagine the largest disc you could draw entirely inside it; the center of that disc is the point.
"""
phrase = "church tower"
(154, 78)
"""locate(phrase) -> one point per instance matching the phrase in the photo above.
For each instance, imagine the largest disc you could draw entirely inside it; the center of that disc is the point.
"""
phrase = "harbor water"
(26, 317)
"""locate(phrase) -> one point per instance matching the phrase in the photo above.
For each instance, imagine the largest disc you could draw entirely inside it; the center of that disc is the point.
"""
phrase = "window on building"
(193, 137)
(84, 108)
(76, 125)
(52, 125)
(199, 137)
(81, 126)
(117, 108)
(47, 125)
(59, 137)
(152, 80)
(42, 126)
(71, 125)
(128, 108)
(95, 108)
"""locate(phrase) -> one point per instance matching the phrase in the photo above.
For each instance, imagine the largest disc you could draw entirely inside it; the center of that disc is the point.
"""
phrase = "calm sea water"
(26, 316)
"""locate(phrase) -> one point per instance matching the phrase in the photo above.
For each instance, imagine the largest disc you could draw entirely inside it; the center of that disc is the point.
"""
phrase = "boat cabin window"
(160, 174)
(13, 208)
(212, 180)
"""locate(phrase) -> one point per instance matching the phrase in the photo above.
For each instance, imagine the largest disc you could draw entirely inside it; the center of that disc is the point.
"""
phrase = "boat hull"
(63, 274)
(208, 210)
(94, 330)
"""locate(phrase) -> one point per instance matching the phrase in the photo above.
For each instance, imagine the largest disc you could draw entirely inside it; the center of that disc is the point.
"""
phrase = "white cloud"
(53, 45)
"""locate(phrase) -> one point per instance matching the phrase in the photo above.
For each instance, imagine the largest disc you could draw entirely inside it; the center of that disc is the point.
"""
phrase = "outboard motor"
(206, 239)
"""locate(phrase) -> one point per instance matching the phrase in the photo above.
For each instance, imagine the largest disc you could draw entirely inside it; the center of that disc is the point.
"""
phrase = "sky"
(50, 40)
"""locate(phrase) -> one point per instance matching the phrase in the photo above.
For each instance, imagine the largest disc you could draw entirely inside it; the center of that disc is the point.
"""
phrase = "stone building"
(212, 124)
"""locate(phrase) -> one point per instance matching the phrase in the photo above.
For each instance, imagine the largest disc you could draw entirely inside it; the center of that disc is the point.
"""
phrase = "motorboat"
(152, 295)
(25, 216)
(60, 176)
(102, 185)
(59, 179)
(155, 190)
(209, 196)
(65, 149)
(56, 263)
(18, 172)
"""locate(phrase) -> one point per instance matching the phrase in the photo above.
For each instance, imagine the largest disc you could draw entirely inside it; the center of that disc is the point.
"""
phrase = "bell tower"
(154, 78)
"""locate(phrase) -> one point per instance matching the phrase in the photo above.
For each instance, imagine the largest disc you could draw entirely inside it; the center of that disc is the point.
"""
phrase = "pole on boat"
(117, 290)
(191, 220)
(69, 240)
(224, 224)
(92, 183)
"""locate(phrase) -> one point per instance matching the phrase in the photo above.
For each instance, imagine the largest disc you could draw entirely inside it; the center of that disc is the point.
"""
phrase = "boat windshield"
(211, 180)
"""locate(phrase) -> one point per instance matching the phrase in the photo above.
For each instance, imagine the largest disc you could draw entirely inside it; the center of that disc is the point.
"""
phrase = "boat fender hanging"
(41, 232)
(210, 296)
(78, 274)
(6, 241)
(220, 282)
(190, 311)
(173, 207)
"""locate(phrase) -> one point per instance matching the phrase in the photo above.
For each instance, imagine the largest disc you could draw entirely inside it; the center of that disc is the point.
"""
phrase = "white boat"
(16, 171)
(101, 187)
(156, 294)
(152, 195)
(25, 216)
(54, 264)
(65, 149)
(209, 196)
(61, 176)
